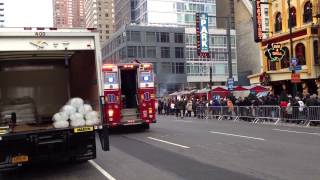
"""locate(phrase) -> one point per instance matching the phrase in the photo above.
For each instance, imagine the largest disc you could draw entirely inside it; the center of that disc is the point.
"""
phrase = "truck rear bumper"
(130, 123)
(47, 146)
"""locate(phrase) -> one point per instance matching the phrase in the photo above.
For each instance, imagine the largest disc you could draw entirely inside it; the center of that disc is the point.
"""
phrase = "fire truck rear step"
(129, 112)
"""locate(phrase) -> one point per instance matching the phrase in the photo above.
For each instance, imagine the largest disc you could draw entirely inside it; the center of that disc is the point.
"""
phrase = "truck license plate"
(83, 129)
(19, 159)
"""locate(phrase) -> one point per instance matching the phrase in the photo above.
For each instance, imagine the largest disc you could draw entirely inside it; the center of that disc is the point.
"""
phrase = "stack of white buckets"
(76, 114)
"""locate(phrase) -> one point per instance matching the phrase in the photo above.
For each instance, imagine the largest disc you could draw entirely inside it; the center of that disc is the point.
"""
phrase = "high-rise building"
(100, 14)
(182, 14)
(123, 12)
(2, 17)
(68, 13)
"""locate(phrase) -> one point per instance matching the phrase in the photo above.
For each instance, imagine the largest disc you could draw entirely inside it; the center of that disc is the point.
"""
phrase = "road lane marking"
(101, 170)
(297, 132)
(179, 145)
(187, 121)
(236, 135)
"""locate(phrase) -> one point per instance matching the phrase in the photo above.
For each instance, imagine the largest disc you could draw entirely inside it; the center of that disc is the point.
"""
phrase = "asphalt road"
(197, 149)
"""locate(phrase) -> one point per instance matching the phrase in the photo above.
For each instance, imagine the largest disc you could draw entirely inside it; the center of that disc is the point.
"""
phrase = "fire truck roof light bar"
(128, 66)
(108, 66)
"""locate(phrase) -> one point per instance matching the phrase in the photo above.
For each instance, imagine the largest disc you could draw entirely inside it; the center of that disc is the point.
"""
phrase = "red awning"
(258, 89)
(240, 88)
(219, 91)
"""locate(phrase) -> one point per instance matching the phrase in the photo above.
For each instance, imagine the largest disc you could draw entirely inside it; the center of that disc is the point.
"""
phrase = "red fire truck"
(130, 94)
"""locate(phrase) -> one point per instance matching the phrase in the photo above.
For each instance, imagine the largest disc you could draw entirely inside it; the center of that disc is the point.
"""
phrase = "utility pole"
(294, 88)
(229, 46)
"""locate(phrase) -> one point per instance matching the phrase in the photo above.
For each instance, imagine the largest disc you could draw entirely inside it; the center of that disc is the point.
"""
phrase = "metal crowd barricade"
(255, 114)
(295, 114)
(201, 111)
(313, 115)
(221, 112)
(247, 113)
(268, 114)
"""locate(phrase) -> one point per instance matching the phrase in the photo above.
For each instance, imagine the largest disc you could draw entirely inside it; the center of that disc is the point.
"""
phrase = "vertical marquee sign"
(257, 21)
(202, 34)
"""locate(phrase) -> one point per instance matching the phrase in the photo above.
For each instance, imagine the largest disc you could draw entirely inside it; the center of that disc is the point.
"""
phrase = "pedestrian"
(183, 107)
(189, 108)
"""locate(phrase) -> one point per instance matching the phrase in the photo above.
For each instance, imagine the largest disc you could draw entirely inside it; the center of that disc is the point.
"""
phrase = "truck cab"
(130, 94)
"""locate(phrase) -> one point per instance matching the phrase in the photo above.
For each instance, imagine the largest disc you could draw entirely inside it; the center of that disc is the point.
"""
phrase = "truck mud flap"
(104, 138)
(104, 132)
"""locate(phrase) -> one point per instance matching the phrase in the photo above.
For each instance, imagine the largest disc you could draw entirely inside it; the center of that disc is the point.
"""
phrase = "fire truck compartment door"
(111, 80)
(146, 79)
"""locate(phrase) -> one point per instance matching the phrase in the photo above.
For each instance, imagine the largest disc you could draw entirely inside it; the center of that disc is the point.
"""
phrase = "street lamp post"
(294, 89)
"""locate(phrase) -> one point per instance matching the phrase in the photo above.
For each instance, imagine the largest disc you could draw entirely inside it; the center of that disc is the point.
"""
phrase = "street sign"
(294, 61)
(295, 78)
(230, 84)
(296, 68)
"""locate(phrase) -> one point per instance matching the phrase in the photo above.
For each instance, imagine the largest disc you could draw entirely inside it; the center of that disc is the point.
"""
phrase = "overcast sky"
(28, 13)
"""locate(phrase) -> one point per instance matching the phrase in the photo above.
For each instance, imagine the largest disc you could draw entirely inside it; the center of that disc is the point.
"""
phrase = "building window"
(151, 51)
(107, 26)
(132, 51)
(150, 36)
(141, 52)
(178, 37)
(278, 22)
(179, 52)
(179, 68)
(219, 69)
(165, 52)
(135, 36)
(315, 52)
(219, 41)
(293, 15)
(285, 62)
(301, 54)
(166, 67)
(163, 37)
(307, 12)
(271, 66)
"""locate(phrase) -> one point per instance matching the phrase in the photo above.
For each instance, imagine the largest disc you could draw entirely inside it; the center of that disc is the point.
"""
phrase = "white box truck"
(44, 68)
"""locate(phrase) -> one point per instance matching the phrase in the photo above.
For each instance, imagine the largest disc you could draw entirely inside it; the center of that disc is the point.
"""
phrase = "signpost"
(294, 61)
(230, 84)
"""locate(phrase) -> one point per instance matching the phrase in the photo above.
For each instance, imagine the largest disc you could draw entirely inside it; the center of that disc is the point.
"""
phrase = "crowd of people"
(187, 106)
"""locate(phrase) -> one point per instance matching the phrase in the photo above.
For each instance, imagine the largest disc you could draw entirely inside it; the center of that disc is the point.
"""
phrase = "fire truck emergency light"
(107, 67)
(146, 66)
(128, 66)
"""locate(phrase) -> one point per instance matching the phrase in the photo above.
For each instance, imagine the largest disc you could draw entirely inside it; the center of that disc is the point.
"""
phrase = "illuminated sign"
(257, 21)
(295, 78)
(202, 34)
(275, 52)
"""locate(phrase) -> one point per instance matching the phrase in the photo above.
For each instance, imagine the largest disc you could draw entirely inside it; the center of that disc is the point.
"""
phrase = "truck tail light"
(110, 112)
(150, 110)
